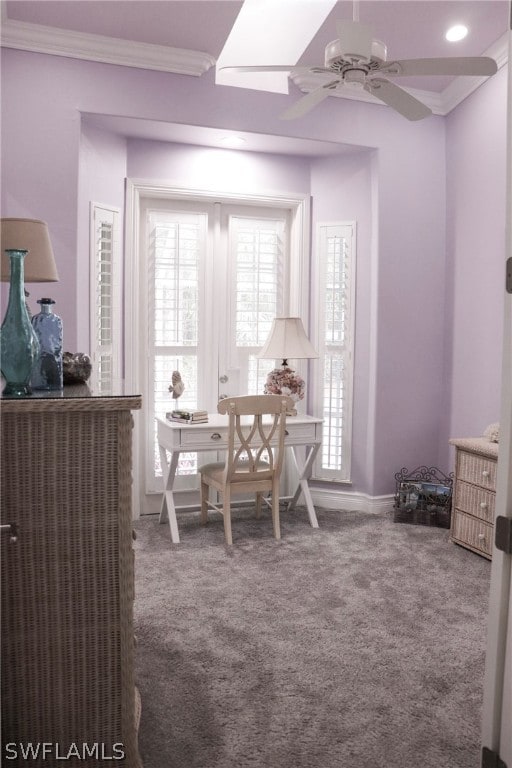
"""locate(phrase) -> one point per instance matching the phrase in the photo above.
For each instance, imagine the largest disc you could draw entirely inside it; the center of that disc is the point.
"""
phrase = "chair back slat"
(255, 448)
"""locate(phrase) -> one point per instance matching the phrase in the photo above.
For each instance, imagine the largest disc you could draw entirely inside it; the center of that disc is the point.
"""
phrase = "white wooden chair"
(254, 456)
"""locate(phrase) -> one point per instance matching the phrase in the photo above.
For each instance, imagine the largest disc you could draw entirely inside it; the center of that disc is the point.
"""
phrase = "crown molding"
(461, 87)
(37, 38)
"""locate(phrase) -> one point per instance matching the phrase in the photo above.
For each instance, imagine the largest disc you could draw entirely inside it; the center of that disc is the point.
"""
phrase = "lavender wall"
(102, 171)
(344, 186)
(476, 185)
(40, 151)
(223, 170)
(341, 188)
(410, 300)
(48, 173)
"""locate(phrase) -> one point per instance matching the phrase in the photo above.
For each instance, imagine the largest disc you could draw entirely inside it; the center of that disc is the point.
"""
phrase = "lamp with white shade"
(287, 339)
(26, 256)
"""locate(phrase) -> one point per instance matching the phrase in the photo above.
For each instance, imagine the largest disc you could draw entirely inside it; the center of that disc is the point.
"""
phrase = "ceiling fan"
(355, 60)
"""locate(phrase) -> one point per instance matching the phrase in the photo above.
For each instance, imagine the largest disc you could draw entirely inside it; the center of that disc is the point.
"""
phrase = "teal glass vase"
(19, 347)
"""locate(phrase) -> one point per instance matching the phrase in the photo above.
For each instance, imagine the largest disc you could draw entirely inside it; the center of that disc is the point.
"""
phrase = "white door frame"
(139, 189)
(497, 704)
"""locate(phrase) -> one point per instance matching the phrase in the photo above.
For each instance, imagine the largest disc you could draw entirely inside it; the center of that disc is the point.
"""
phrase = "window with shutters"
(105, 331)
(335, 268)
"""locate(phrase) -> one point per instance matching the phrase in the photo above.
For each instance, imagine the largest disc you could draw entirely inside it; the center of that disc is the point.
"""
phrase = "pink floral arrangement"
(284, 381)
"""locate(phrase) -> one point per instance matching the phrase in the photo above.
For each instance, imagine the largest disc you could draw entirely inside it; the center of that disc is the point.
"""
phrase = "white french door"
(497, 703)
(212, 277)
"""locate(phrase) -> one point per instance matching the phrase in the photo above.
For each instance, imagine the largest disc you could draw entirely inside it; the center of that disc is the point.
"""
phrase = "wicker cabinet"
(473, 511)
(67, 581)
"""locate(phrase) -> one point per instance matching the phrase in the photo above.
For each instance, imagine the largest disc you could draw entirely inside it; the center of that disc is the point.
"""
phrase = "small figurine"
(177, 387)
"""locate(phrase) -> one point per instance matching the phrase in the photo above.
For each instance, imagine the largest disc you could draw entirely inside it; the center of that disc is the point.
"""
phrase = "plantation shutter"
(176, 253)
(257, 248)
(336, 273)
(105, 292)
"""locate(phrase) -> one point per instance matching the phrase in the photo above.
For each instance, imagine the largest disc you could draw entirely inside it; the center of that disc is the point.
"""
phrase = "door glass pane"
(176, 248)
(176, 253)
(257, 248)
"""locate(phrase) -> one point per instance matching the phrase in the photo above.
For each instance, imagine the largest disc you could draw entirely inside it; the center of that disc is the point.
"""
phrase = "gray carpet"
(358, 645)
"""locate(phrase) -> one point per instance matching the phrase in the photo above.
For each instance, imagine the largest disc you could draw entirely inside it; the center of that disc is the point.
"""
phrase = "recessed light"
(233, 141)
(456, 33)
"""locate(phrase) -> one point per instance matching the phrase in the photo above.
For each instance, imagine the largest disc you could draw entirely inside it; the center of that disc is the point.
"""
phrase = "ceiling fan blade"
(307, 102)
(453, 65)
(396, 97)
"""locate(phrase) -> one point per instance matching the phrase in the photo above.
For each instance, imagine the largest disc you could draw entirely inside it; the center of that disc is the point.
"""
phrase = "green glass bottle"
(19, 346)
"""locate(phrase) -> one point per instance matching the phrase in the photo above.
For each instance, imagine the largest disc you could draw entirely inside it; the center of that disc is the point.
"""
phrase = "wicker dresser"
(474, 500)
(67, 581)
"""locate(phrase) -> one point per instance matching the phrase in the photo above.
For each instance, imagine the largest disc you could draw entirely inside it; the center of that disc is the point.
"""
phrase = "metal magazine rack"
(423, 497)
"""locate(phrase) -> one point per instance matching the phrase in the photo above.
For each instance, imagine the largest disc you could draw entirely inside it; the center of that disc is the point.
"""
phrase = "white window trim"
(343, 476)
(95, 211)
(136, 191)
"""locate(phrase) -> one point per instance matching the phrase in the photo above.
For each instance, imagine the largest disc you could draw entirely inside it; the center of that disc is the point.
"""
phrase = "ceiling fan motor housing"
(337, 56)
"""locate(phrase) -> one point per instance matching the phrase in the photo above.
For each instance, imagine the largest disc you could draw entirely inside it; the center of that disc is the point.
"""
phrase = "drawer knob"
(481, 536)
(483, 505)
(215, 436)
(485, 473)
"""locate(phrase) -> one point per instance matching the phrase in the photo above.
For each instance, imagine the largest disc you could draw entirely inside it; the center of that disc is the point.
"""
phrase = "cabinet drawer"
(300, 432)
(201, 437)
(476, 469)
(198, 437)
(475, 500)
(471, 532)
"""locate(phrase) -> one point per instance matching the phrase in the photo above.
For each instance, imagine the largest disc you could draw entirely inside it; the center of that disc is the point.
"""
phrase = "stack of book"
(188, 417)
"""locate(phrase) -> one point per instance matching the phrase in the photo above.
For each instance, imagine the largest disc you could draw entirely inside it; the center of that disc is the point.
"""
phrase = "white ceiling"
(187, 36)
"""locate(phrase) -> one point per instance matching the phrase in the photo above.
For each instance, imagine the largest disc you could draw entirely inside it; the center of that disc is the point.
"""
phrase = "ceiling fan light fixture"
(355, 79)
(456, 33)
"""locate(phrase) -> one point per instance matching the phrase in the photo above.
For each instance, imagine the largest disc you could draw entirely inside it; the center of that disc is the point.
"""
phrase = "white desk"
(176, 437)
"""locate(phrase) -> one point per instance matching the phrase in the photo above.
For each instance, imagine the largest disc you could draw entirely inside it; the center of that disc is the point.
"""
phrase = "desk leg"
(304, 475)
(167, 509)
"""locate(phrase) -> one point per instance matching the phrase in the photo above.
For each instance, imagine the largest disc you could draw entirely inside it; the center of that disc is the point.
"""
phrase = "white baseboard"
(322, 497)
(355, 502)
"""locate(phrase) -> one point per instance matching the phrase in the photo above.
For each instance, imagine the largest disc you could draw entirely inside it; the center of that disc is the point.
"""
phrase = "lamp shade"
(288, 339)
(29, 235)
